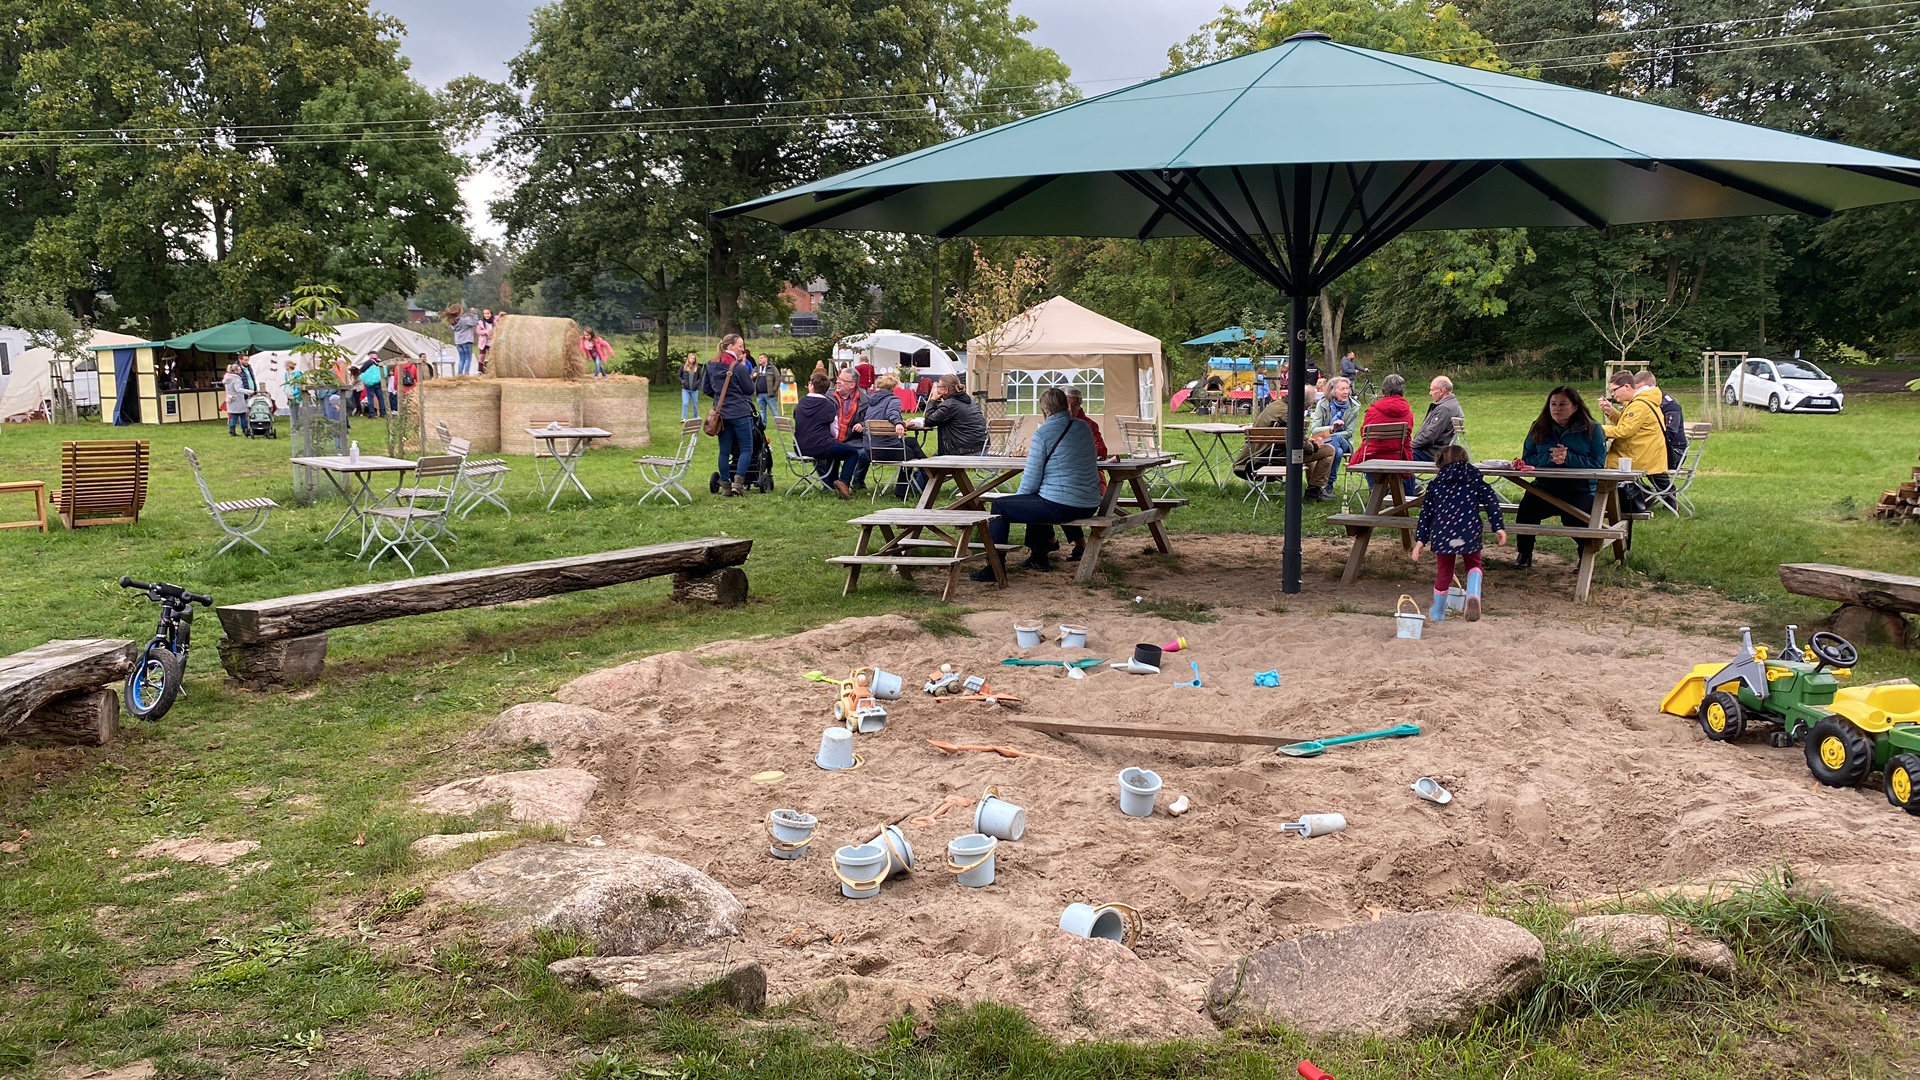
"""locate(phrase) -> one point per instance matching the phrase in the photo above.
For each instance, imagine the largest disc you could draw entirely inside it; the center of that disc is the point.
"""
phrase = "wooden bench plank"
(38, 675)
(907, 515)
(1846, 585)
(905, 560)
(1394, 521)
(310, 613)
(1121, 522)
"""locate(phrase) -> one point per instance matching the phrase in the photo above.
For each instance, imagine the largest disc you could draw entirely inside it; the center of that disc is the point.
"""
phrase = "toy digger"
(1847, 732)
(856, 707)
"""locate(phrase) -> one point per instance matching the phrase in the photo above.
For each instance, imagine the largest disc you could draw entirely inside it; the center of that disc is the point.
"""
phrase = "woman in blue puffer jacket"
(1061, 483)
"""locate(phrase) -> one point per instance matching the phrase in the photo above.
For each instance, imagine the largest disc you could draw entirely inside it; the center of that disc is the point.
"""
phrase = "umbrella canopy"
(238, 336)
(1303, 159)
(1230, 336)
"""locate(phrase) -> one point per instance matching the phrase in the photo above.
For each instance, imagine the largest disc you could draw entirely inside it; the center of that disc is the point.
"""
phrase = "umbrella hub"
(1310, 35)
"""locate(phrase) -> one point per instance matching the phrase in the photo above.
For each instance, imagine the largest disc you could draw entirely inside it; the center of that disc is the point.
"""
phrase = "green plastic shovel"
(1316, 747)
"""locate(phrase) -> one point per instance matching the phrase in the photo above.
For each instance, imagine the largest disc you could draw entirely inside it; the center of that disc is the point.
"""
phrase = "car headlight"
(1790, 388)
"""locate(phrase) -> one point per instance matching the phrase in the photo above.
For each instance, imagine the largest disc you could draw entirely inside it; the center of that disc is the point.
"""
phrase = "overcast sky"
(1107, 43)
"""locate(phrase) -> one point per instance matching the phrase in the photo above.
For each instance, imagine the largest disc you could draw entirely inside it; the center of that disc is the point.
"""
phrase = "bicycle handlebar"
(161, 590)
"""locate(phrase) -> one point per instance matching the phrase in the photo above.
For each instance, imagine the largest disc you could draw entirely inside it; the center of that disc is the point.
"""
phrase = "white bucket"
(893, 842)
(836, 749)
(861, 868)
(1073, 637)
(791, 831)
(886, 685)
(970, 859)
(1026, 636)
(1408, 624)
(1456, 599)
(999, 818)
(1138, 790)
(1114, 922)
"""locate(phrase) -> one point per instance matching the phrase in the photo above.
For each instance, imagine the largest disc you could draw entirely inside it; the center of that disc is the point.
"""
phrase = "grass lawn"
(289, 968)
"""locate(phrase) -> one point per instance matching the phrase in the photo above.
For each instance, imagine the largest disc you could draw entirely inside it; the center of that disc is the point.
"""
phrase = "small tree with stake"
(313, 313)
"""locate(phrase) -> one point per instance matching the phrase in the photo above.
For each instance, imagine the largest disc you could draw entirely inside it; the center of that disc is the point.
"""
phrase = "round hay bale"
(617, 403)
(532, 403)
(536, 347)
(470, 408)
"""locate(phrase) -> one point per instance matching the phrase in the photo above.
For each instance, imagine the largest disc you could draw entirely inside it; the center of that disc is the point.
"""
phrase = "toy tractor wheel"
(1838, 753)
(1721, 716)
(1903, 782)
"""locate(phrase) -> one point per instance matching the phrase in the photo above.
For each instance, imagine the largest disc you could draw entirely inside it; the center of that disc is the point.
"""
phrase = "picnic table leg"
(1589, 553)
(853, 571)
(930, 495)
(1090, 558)
(1144, 498)
(1200, 452)
(347, 515)
(896, 544)
(994, 558)
(1609, 497)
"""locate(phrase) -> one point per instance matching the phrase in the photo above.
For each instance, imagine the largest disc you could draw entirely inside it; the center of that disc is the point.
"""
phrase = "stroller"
(260, 416)
(758, 468)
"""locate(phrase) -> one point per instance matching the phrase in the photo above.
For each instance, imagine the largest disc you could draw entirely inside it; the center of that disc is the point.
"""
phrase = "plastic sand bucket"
(970, 859)
(893, 842)
(1456, 599)
(1138, 790)
(1026, 636)
(999, 818)
(885, 685)
(861, 868)
(1114, 922)
(1073, 637)
(791, 831)
(836, 749)
(1147, 654)
(1408, 623)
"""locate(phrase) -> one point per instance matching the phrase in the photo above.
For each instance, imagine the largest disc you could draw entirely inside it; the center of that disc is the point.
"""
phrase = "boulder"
(537, 796)
(432, 847)
(660, 977)
(555, 725)
(856, 1010)
(196, 850)
(1876, 918)
(1079, 989)
(1636, 936)
(628, 903)
(1404, 976)
(637, 686)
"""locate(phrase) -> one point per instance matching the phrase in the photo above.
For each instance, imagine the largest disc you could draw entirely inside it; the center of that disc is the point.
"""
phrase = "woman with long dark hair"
(1563, 436)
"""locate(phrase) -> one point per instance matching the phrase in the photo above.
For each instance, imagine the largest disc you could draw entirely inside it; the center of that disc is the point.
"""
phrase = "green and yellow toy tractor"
(1847, 732)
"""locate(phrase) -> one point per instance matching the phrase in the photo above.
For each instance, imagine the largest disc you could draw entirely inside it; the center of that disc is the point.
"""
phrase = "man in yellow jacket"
(1637, 430)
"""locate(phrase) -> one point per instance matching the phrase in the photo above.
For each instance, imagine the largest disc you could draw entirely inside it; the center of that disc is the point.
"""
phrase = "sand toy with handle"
(1316, 747)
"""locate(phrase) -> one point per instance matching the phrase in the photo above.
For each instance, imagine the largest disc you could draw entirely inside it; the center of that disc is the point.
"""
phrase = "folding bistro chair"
(485, 477)
(419, 517)
(663, 474)
(1460, 432)
(1143, 439)
(1266, 466)
(257, 511)
(1000, 437)
(878, 459)
(1353, 493)
(1674, 496)
(806, 478)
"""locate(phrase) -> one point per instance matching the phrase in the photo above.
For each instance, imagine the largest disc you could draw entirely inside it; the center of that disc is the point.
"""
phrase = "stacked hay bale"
(618, 404)
(536, 347)
(470, 407)
(534, 403)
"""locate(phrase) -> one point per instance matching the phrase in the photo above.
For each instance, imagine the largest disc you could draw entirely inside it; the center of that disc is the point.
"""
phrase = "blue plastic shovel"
(1316, 747)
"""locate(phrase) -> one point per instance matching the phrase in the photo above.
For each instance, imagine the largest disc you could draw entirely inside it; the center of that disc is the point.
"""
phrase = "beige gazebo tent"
(1118, 369)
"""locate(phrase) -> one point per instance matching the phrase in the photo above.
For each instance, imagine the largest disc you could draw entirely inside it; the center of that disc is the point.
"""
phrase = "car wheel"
(1727, 395)
(1838, 754)
(1773, 403)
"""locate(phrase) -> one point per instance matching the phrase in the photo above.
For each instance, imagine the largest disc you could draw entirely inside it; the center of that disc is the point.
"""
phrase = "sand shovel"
(1316, 747)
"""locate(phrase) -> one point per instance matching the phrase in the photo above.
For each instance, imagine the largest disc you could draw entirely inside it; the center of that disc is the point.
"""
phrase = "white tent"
(391, 341)
(890, 349)
(30, 389)
(1118, 370)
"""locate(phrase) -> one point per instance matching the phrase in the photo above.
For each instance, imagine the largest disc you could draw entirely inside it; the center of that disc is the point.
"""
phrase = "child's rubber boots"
(1473, 596)
(1438, 612)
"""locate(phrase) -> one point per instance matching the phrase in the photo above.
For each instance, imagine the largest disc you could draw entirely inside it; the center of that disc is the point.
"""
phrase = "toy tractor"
(1847, 732)
(856, 708)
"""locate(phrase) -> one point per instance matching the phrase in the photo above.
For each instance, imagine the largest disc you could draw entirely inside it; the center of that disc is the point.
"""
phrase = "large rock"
(1637, 936)
(857, 1010)
(628, 903)
(555, 725)
(660, 977)
(1083, 990)
(1401, 976)
(537, 796)
(1876, 917)
(637, 686)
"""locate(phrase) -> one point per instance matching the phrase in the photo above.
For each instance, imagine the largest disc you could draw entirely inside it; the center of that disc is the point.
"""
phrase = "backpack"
(406, 376)
(1673, 425)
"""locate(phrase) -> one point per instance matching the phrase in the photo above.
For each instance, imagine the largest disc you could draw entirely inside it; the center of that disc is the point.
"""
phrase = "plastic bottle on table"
(353, 452)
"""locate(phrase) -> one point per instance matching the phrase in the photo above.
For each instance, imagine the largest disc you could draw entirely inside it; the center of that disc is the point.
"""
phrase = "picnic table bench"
(59, 690)
(1388, 507)
(904, 530)
(1870, 602)
(283, 641)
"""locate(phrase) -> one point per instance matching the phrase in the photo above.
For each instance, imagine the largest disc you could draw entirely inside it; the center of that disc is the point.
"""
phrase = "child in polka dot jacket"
(1450, 525)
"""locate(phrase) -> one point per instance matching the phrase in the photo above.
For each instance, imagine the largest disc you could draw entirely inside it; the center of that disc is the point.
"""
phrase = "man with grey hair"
(1436, 430)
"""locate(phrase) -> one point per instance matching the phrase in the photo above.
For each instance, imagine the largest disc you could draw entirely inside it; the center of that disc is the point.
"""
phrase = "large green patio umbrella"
(1301, 160)
(238, 336)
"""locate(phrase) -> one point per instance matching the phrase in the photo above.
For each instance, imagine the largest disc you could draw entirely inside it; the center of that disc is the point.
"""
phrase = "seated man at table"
(952, 412)
(1436, 430)
(1637, 433)
(1061, 483)
(813, 421)
(1316, 457)
(850, 406)
(1563, 436)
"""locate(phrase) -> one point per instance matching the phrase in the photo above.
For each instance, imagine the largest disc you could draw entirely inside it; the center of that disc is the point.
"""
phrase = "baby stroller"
(260, 416)
(758, 468)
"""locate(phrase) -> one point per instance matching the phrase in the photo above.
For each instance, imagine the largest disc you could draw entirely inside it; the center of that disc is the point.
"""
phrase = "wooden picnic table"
(958, 470)
(1389, 507)
(904, 532)
(1204, 453)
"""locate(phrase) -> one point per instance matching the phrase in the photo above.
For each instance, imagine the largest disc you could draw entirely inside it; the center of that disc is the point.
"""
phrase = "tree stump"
(726, 586)
(1869, 626)
(294, 661)
(83, 718)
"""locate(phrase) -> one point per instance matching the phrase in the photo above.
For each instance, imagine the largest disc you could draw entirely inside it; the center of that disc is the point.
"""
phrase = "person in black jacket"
(952, 412)
(729, 370)
(813, 420)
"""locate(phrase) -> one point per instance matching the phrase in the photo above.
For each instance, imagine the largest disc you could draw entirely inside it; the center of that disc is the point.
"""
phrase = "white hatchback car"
(1782, 386)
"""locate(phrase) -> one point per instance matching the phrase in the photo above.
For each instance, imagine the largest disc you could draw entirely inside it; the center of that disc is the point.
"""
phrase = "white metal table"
(1204, 452)
(343, 472)
(564, 460)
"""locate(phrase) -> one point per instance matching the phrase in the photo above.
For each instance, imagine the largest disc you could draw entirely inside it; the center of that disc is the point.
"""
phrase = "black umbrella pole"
(1296, 439)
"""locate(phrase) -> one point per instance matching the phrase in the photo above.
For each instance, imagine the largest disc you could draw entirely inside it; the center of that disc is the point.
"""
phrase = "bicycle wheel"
(154, 682)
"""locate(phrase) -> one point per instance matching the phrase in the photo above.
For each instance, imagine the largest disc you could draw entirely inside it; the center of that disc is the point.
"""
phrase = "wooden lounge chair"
(102, 482)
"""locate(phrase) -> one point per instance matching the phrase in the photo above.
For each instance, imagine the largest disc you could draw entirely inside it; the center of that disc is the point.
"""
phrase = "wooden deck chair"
(663, 474)
(102, 482)
(252, 514)
(484, 479)
(806, 477)
(421, 517)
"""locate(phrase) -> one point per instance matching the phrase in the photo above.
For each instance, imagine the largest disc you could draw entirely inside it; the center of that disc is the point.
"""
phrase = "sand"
(1543, 719)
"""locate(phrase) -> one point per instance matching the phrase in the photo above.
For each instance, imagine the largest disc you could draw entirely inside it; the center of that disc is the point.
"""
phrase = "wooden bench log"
(31, 679)
(1873, 605)
(283, 641)
(82, 718)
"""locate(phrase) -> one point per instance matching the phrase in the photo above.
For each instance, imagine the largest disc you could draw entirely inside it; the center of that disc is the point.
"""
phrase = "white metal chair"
(806, 476)
(1266, 466)
(663, 474)
(485, 477)
(418, 518)
(1673, 497)
(1143, 439)
(256, 511)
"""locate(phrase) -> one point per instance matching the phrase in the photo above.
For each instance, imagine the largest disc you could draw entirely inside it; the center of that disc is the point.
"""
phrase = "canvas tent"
(30, 389)
(887, 350)
(1119, 370)
(391, 341)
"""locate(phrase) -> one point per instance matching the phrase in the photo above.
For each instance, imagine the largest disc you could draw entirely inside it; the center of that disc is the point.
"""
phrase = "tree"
(998, 306)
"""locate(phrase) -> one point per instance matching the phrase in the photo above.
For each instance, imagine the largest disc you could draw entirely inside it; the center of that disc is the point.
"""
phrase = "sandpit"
(1542, 719)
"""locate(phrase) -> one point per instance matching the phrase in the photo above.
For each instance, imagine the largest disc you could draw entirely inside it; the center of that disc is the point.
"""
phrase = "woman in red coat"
(1391, 408)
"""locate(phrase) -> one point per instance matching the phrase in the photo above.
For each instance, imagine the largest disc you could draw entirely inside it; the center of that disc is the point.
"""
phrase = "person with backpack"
(1673, 420)
(1638, 433)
